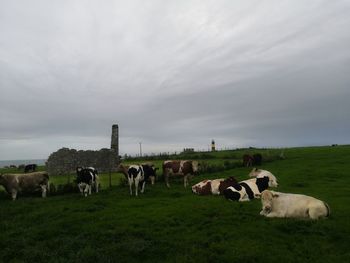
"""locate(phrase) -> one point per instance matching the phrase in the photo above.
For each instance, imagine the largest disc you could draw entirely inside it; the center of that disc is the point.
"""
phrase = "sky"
(172, 74)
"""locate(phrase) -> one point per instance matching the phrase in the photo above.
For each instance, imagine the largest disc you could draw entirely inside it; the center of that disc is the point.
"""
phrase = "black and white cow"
(249, 189)
(29, 168)
(86, 178)
(139, 174)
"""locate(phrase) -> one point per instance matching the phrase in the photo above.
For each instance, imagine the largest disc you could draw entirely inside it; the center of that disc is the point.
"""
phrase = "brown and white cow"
(183, 168)
(14, 183)
(215, 187)
(276, 204)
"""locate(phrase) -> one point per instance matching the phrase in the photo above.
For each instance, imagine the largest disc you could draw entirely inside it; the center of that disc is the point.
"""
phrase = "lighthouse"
(212, 145)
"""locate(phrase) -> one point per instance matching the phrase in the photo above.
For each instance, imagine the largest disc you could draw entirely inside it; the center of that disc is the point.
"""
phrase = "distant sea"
(18, 162)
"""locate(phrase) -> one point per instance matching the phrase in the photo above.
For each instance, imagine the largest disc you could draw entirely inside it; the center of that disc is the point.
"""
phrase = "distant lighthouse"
(212, 145)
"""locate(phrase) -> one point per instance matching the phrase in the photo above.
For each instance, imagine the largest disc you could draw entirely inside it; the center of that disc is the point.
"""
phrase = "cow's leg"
(166, 177)
(97, 184)
(137, 180)
(243, 198)
(86, 190)
(43, 190)
(130, 186)
(81, 188)
(273, 214)
(14, 194)
(185, 180)
(143, 186)
(90, 186)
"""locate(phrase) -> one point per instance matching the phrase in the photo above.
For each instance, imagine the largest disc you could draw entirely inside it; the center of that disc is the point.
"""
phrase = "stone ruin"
(65, 160)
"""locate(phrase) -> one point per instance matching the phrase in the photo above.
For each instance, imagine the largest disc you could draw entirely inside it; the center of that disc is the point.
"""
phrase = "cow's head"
(202, 188)
(261, 173)
(266, 200)
(123, 169)
(272, 180)
(195, 167)
(153, 174)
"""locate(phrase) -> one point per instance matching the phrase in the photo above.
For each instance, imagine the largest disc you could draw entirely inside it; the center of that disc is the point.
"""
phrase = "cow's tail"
(328, 209)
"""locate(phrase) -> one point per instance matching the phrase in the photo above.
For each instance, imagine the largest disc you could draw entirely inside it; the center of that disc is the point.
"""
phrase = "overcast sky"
(172, 74)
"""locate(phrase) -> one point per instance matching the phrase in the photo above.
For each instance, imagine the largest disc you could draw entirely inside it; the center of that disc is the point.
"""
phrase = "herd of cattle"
(274, 204)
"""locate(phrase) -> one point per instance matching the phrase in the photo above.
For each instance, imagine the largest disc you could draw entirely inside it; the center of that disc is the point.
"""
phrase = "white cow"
(276, 204)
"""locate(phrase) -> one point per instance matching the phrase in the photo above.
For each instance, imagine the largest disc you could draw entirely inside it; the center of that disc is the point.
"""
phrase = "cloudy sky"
(172, 74)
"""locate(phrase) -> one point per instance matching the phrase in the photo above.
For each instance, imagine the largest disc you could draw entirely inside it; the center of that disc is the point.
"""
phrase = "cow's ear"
(274, 194)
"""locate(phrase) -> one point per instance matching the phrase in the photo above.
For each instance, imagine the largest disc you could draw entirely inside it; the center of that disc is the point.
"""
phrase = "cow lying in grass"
(215, 187)
(29, 182)
(87, 177)
(259, 172)
(276, 204)
(248, 189)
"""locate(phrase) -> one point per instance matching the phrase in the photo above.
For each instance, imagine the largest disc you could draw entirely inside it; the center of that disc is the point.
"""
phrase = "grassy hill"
(173, 225)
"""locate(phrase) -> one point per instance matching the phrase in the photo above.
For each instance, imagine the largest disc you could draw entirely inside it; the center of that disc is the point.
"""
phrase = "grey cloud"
(172, 75)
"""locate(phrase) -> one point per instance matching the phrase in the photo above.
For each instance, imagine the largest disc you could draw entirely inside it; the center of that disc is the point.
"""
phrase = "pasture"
(173, 225)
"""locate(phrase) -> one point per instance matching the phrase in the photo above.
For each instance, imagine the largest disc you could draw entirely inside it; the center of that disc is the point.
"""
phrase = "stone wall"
(65, 160)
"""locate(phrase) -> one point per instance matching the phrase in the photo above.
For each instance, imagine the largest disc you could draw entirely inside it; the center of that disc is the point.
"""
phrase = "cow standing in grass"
(14, 183)
(149, 169)
(183, 169)
(138, 175)
(87, 177)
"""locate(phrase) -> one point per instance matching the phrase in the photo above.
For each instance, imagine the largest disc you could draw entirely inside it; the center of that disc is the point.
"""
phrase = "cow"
(30, 168)
(276, 204)
(215, 187)
(86, 178)
(151, 173)
(29, 182)
(183, 168)
(259, 172)
(248, 160)
(248, 189)
(139, 174)
(257, 159)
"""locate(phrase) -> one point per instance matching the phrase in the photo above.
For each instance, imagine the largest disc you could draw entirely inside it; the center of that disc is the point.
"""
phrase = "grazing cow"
(139, 174)
(257, 159)
(86, 178)
(276, 204)
(30, 168)
(248, 160)
(247, 190)
(14, 183)
(181, 168)
(215, 187)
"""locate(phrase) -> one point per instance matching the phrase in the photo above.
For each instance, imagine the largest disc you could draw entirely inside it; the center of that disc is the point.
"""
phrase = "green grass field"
(173, 225)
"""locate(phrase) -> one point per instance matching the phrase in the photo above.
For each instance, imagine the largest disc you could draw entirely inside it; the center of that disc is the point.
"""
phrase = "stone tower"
(115, 139)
